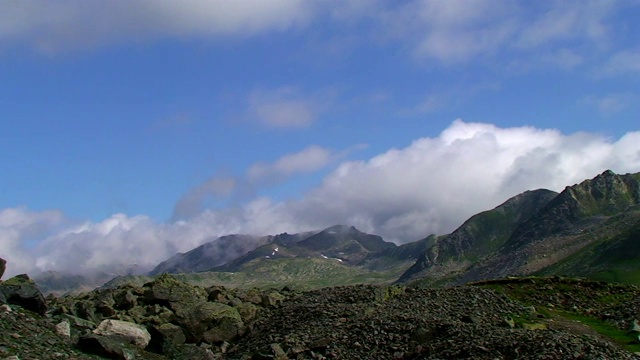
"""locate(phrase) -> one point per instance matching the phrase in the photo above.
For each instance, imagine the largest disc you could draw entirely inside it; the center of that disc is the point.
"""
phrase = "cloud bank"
(429, 186)
(563, 32)
(57, 26)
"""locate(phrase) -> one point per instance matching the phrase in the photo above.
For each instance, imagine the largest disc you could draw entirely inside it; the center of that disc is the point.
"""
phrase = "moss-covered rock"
(22, 291)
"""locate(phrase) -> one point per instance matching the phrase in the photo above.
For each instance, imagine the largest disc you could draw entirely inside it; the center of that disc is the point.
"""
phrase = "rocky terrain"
(530, 318)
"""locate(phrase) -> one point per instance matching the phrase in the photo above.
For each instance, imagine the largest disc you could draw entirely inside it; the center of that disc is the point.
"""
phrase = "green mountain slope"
(590, 229)
(480, 236)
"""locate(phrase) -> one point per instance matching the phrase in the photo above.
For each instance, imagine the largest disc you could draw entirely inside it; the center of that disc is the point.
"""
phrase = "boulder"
(272, 299)
(212, 322)
(63, 329)
(166, 338)
(179, 296)
(3, 266)
(247, 311)
(192, 352)
(132, 333)
(21, 290)
(111, 348)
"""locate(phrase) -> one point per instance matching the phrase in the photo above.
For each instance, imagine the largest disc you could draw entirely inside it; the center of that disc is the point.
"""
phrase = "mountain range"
(590, 229)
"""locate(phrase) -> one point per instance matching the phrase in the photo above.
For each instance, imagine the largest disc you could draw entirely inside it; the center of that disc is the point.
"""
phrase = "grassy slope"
(586, 304)
(297, 273)
(613, 258)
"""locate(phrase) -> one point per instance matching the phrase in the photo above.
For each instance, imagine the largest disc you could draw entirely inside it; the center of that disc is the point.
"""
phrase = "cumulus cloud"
(54, 26)
(404, 194)
(19, 229)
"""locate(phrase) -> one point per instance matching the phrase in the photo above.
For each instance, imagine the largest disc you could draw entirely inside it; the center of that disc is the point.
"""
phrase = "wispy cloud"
(310, 159)
(284, 107)
(611, 104)
(193, 202)
(622, 63)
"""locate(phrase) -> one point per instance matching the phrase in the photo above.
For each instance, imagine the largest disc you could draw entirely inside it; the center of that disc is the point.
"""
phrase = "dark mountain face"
(579, 206)
(337, 236)
(479, 236)
(211, 254)
(549, 233)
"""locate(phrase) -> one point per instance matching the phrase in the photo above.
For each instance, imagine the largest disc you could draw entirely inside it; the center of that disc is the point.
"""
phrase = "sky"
(132, 130)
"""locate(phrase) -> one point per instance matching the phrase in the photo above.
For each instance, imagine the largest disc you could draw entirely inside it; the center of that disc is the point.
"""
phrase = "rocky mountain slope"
(581, 232)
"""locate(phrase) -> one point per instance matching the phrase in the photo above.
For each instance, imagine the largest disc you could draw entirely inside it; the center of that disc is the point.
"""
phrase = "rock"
(508, 322)
(132, 333)
(79, 322)
(272, 299)
(534, 326)
(253, 296)
(278, 352)
(63, 328)
(635, 326)
(192, 352)
(247, 311)
(421, 336)
(21, 290)
(180, 297)
(111, 348)
(166, 338)
(3, 266)
(125, 300)
(469, 319)
(223, 322)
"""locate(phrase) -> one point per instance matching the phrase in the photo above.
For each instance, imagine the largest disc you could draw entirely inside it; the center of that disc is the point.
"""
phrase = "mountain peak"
(341, 229)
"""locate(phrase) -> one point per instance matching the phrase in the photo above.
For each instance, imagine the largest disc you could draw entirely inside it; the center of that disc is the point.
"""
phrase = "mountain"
(540, 232)
(477, 237)
(341, 243)
(591, 229)
(210, 254)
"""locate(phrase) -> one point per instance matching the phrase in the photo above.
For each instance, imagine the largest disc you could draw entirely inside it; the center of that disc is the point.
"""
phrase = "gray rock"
(63, 328)
(133, 333)
(109, 347)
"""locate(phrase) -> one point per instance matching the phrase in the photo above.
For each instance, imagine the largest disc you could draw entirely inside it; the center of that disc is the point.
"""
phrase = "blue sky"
(138, 125)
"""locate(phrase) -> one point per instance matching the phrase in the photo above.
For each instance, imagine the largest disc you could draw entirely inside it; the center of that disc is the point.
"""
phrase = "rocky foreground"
(168, 319)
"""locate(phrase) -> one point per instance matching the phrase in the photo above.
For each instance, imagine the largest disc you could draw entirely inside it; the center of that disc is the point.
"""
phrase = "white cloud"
(567, 20)
(54, 26)
(310, 159)
(454, 32)
(430, 186)
(19, 228)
